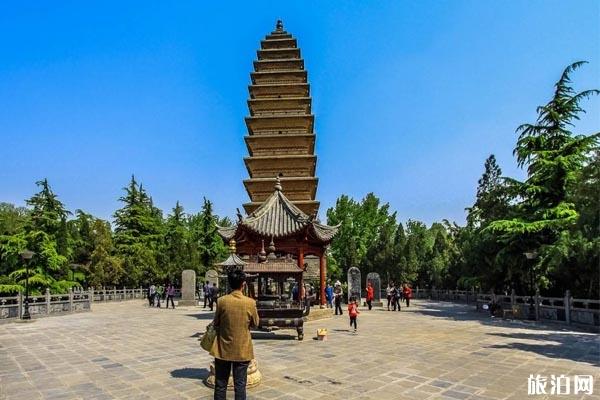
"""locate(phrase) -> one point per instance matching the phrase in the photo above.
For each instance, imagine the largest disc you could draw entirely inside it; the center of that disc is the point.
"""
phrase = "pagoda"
(281, 142)
(290, 234)
(280, 137)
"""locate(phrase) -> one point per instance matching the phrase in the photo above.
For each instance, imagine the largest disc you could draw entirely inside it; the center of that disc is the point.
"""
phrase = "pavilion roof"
(232, 261)
(278, 217)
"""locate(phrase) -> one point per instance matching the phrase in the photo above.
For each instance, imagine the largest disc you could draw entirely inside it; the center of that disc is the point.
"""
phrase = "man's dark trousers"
(338, 305)
(222, 370)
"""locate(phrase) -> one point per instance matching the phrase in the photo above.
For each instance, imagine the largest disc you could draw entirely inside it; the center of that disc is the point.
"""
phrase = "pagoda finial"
(279, 26)
(278, 186)
(272, 249)
(262, 255)
(232, 246)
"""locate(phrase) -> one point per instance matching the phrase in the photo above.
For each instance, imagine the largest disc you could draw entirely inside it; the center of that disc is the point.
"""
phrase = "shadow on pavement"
(560, 342)
(258, 335)
(209, 315)
(190, 373)
(578, 347)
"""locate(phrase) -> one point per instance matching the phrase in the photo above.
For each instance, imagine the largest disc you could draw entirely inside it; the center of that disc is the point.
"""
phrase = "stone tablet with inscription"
(354, 285)
(211, 277)
(188, 288)
(375, 280)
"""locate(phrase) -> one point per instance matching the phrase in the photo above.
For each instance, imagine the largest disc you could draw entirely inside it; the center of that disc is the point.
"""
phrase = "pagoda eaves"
(280, 138)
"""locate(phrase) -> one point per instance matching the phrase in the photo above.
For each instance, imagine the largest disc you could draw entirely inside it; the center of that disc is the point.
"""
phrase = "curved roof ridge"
(277, 217)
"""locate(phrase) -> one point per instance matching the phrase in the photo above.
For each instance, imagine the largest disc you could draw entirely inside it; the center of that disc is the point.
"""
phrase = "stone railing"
(75, 301)
(566, 310)
(48, 304)
(467, 296)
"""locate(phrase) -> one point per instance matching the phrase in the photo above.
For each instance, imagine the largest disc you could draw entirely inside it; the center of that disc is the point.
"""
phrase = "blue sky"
(409, 97)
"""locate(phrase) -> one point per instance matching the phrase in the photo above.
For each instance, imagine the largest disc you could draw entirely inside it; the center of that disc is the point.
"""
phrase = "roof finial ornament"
(232, 246)
(262, 255)
(278, 184)
(279, 26)
(272, 249)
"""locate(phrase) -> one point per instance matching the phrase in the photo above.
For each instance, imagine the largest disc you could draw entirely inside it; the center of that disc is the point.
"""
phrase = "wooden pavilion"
(291, 235)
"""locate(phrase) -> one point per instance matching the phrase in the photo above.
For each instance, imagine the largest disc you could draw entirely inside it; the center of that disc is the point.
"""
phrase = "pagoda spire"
(279, 26)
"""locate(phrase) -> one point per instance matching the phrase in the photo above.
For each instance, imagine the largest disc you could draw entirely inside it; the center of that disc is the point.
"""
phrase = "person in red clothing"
(353, 311)
(407, 294)
(370, 294)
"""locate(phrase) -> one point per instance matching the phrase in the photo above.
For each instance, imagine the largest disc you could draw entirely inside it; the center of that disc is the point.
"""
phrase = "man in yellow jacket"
(232, 347)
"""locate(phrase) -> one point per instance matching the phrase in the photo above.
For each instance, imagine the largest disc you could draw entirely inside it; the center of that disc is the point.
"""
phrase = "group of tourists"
(396, 294)
(158, 293)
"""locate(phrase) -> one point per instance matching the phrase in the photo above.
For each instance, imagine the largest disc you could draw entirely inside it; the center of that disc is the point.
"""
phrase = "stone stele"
(188, 288)
(354, 288)
(211, 277)
(375, 280)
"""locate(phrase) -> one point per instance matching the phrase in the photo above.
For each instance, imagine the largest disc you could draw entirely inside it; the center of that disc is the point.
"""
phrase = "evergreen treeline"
(82, 250)
(553, 217)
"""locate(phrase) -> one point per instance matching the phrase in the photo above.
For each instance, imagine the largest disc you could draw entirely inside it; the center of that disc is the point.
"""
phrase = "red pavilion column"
(301, 266)
(323, 271)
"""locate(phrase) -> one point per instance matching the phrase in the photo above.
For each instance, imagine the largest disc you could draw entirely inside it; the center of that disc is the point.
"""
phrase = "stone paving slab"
(432, 350)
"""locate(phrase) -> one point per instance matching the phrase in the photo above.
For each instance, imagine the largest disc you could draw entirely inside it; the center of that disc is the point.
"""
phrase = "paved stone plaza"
(432, 350)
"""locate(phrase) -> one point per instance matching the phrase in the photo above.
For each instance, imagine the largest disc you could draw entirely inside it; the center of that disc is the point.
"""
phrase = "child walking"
(353, 311)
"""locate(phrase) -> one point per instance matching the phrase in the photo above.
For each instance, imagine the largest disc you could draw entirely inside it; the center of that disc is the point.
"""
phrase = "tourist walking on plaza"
(370, 295)
(397, 296)
(407, 294)
(329, 295)
(205, 293)
(338, 293)
(151, 293)
(158, 295)
(353, 311)
(170, 295)
(388, 292)
(212, 296)
(232, 348)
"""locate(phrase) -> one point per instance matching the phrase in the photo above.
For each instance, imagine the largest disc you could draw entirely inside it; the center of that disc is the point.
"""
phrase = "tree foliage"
(554, 215)
(82, 250)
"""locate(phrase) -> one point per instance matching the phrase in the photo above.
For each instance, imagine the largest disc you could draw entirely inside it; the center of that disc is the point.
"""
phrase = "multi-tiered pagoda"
(281, 143)
(281, 137)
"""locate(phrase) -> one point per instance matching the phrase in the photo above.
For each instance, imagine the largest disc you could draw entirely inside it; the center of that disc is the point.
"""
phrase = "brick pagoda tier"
(281, 137)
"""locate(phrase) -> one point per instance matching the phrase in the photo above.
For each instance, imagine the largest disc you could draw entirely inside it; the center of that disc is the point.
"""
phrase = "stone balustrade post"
(115, 293)
(567, 303)
(512, 299)
(20, 310)
(91, 296)
(47, 301)
(124, 297)
(70, 299)
(537, 304)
